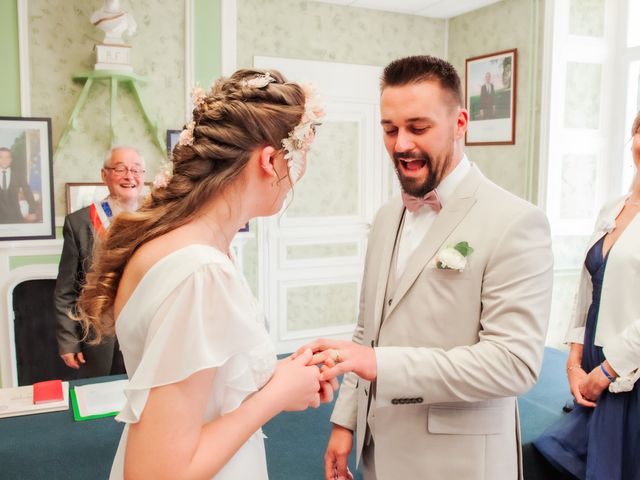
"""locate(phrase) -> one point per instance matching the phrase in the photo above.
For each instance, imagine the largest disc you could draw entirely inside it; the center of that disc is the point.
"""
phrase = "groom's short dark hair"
(423, 68)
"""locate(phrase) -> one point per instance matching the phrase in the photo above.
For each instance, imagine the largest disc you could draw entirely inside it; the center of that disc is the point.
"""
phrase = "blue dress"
(601, 443)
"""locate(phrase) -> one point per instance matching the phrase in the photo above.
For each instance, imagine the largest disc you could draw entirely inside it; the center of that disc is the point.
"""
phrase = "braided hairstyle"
(229, 123)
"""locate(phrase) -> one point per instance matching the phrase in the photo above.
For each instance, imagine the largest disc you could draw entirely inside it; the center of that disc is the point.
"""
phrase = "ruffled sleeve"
(208, 320)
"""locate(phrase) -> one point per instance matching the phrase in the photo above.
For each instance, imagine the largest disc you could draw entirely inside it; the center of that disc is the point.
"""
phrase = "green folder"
(76, 411)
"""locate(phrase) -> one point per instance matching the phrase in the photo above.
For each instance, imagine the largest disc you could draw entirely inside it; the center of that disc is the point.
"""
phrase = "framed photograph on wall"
(80, 195)
(490, 97)
(26, 179)
(172, 140)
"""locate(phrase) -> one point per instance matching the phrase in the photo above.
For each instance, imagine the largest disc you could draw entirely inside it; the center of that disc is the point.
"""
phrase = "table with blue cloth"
(54, 446)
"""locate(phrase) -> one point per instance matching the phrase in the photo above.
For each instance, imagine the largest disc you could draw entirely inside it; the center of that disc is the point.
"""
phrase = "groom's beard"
(434, 176)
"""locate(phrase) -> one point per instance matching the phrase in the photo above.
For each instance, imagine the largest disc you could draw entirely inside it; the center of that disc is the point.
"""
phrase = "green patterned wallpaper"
(586, 17)
(302, 252)
(582, 95)
(330, 185)
(332, 33)
(61, 41)
(314, 306)
(503, 26)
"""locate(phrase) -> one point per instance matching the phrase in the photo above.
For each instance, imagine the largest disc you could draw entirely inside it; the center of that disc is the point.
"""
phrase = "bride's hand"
(295, 384)
(327, 387)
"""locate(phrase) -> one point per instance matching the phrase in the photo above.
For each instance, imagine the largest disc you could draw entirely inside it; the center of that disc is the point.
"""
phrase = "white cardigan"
(618, 329)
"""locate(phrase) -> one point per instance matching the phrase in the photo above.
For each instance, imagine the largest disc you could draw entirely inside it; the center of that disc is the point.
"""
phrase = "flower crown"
(299, 139)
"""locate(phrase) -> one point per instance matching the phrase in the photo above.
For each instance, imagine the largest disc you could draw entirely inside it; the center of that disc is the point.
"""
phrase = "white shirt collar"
(449, 184)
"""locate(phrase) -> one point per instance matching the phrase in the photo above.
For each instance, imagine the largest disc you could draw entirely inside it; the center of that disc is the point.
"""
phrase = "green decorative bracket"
(127, 79)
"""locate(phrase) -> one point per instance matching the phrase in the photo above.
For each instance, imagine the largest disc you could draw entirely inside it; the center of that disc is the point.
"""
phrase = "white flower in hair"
(259, 81)
(197, 96)
(163, 176)
(186, 136)
(300, 138)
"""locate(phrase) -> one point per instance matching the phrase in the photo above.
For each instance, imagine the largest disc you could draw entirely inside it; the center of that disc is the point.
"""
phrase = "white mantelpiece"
(9, 278)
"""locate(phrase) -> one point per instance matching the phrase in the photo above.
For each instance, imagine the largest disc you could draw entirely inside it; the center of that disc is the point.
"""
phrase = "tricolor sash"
(100, 214)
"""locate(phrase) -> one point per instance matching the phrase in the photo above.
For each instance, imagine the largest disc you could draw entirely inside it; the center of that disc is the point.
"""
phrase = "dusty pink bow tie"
(431, 200)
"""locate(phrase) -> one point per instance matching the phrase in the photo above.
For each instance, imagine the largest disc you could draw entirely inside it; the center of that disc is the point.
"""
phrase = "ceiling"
(426, 8)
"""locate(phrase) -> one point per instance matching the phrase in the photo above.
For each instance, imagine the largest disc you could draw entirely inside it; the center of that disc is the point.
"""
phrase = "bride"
(203, 372)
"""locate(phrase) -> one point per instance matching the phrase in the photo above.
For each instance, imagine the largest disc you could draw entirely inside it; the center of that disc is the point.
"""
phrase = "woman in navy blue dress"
(600, 438)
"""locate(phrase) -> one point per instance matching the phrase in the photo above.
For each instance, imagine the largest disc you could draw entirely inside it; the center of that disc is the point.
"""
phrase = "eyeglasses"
(121, 170)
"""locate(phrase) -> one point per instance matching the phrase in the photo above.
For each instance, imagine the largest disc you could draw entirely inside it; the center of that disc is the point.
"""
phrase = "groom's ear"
(266, 161)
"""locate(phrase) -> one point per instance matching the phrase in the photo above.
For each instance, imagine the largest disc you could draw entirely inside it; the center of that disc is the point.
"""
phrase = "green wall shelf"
(117, 79)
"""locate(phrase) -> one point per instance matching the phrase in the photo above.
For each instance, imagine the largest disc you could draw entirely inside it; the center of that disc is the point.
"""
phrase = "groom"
(454, 304)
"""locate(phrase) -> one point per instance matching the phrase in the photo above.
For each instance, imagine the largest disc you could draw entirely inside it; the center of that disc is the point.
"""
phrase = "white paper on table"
(101, 398)
(19, 401)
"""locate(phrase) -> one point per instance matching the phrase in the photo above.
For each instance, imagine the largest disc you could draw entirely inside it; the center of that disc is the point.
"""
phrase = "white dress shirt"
(417, 224)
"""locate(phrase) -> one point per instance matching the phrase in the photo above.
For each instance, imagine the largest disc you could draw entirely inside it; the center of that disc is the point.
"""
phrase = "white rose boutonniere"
(454, 257)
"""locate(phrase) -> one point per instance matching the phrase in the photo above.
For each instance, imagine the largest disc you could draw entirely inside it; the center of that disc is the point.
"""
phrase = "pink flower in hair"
(300, 138)
(186, 136)
(197, 96)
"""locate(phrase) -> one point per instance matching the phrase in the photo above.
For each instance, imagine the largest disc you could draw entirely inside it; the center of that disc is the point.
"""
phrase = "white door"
(312, 254)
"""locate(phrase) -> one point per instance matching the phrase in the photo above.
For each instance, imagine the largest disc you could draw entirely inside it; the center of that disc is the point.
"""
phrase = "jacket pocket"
(470, 419)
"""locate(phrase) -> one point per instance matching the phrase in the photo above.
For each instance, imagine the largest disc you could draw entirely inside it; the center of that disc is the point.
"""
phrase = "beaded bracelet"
(606, 374)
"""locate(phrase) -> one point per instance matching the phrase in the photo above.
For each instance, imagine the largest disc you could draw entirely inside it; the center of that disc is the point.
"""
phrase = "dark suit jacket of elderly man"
(9, 198)
(103, 359)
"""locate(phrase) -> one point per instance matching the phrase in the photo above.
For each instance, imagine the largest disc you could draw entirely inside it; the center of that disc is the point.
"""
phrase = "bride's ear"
(266, 161)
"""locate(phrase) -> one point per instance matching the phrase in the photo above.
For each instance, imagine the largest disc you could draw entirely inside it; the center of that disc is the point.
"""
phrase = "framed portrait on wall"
(80, 195)
(490, 98)
(26, 179)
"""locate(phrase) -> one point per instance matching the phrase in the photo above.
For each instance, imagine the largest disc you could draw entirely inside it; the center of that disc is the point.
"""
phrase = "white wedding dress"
(191, 311)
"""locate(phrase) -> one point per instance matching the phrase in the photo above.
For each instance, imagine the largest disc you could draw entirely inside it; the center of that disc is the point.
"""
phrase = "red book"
(49, 391)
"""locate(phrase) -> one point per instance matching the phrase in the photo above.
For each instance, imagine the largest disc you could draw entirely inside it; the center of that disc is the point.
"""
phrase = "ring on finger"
(337, 358)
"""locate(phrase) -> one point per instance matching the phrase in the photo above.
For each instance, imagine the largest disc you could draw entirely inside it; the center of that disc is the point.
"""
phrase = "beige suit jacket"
(454, 348)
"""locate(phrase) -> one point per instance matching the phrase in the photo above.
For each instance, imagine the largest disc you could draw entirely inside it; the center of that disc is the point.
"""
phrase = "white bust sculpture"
(114, 22)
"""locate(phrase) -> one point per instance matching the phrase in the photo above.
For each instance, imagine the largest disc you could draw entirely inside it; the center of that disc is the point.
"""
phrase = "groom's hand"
(335, 458)
(342, 356)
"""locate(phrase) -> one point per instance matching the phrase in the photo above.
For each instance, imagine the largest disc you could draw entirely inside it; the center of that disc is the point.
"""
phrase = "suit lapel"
(447, 220)
(394, 221)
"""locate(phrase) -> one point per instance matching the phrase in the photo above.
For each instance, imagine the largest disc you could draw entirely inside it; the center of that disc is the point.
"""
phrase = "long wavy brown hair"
(234, 119)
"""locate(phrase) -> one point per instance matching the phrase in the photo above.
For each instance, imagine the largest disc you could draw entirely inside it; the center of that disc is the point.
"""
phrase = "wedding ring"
(337, 358)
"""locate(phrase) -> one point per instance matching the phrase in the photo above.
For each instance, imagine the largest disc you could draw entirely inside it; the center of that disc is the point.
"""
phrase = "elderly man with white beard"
(123, 173)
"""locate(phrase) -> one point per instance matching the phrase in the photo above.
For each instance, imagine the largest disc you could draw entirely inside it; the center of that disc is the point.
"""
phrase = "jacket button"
(420, 400)
(394, 401)
(389, 302)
